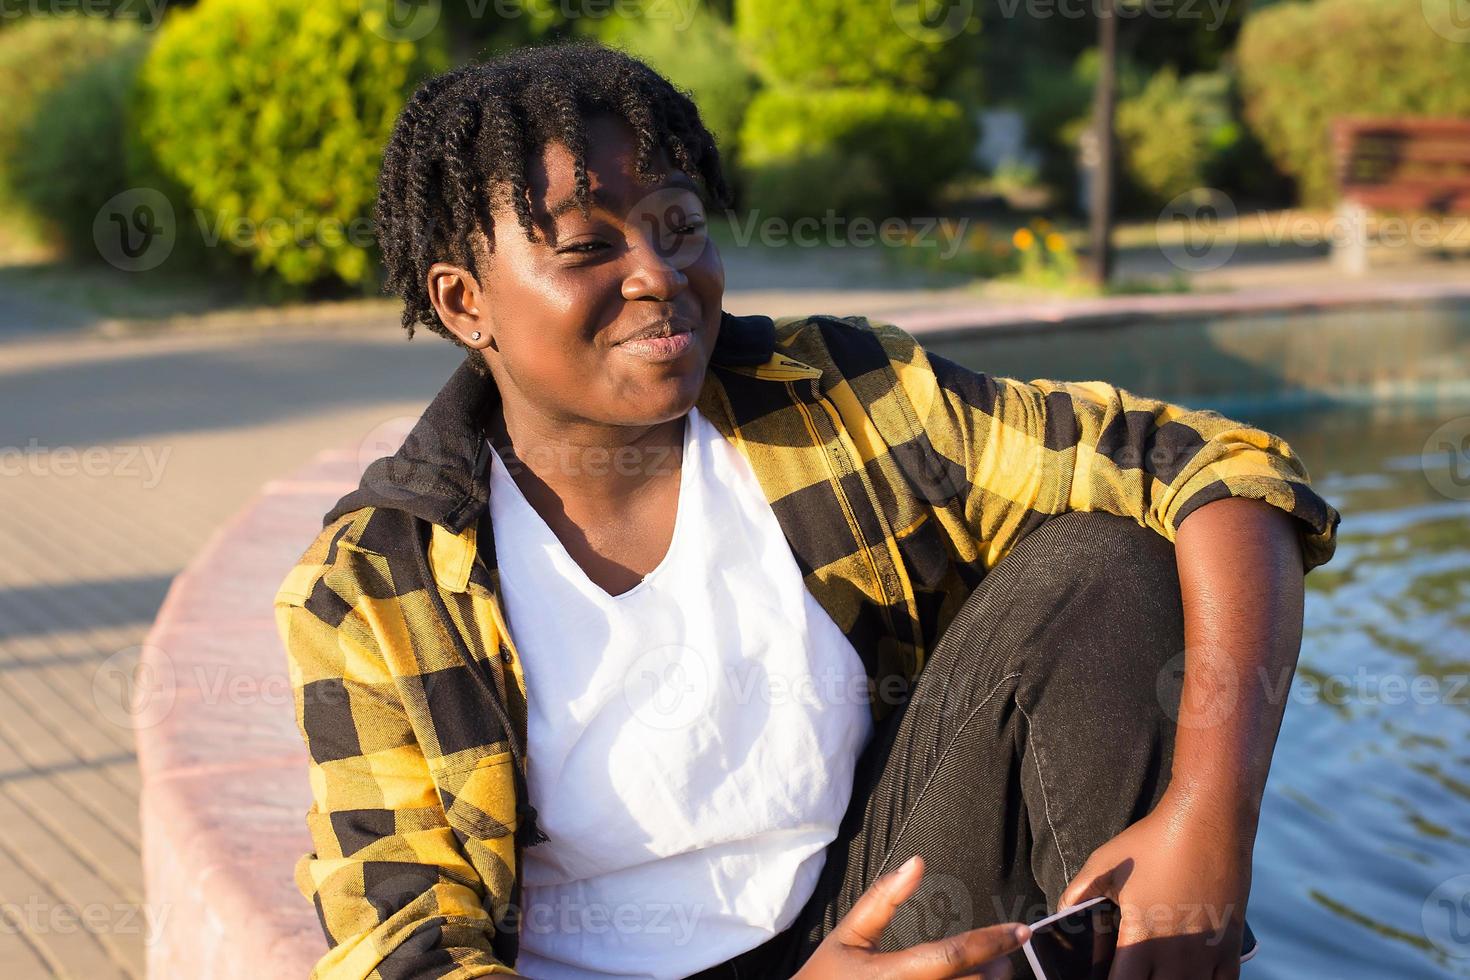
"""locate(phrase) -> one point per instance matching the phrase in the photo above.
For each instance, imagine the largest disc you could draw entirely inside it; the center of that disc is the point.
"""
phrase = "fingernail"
(1022, 933)
(907, 865)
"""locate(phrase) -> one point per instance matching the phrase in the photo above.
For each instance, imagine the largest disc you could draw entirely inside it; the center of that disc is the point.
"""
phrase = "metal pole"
(1102, 128)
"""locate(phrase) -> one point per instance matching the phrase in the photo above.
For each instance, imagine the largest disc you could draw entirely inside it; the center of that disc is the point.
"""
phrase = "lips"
(664, 328)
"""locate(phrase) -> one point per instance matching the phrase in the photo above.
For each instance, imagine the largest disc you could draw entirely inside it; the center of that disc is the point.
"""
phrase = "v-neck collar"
(690, 490)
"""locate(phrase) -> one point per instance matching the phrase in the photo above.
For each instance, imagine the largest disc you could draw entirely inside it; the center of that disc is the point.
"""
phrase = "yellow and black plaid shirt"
(898, 478)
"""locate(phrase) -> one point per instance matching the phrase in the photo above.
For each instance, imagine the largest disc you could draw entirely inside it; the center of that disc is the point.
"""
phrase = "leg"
(1041, 726)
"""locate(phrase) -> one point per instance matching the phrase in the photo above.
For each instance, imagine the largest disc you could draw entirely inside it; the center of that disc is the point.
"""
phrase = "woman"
(668, 637)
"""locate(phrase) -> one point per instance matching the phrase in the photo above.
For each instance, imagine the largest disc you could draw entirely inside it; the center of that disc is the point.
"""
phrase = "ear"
(456, 297)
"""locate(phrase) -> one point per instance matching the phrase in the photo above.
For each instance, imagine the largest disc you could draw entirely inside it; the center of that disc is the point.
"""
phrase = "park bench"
(1408, 166)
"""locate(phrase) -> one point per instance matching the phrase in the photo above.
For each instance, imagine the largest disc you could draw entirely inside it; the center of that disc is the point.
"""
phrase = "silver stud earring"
(475, 335)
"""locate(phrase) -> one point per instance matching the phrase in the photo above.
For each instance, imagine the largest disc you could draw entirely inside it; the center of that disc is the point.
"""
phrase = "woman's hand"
(1181, 881)
(851, 949)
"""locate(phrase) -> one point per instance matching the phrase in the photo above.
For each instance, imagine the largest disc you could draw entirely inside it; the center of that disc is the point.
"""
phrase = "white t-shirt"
(691, 742)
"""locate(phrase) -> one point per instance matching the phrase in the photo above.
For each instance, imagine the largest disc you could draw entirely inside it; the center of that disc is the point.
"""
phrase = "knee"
(1090, 595)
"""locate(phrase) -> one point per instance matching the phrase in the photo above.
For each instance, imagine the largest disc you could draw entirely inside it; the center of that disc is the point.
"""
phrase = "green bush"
(1057, 104)
(37, 56)
(1177, 134)
(1302, 65)
(272, 117)
(839, 42)
(73, 161)
(700, 57)
(855, 150)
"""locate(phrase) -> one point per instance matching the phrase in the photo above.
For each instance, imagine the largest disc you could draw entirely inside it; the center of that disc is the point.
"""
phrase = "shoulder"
(354, 553)
(849, 345)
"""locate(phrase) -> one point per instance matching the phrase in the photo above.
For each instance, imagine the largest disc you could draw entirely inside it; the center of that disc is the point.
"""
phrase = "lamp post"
(1101, 205)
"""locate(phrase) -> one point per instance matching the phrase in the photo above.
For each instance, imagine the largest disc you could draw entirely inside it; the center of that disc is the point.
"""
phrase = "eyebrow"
(676, 178)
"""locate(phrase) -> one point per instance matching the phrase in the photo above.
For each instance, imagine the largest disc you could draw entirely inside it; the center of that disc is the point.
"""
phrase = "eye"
(583, 248)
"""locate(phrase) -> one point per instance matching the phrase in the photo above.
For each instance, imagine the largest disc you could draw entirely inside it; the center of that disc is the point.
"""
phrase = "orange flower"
(1023, 238)
(1055, 242)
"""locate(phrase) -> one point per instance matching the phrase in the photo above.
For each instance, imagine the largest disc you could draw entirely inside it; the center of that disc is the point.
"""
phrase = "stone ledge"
(223, 766)
(224, 786)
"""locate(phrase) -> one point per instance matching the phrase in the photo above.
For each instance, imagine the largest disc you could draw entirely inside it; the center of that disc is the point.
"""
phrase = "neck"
(580, 461)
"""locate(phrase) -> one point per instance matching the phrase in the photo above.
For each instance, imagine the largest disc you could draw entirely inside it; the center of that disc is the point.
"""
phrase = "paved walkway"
(119, 455)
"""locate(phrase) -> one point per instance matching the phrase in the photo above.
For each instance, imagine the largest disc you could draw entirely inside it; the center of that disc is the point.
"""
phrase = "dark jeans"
(1040, 727)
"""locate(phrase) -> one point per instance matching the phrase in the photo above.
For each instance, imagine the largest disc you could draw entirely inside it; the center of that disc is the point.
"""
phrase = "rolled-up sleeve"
(392, 888)
(1032, 449)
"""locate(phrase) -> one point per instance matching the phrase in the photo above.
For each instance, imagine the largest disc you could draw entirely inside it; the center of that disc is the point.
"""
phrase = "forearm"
(1240, 574)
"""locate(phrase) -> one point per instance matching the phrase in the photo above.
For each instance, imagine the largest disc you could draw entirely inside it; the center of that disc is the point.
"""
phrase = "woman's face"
(608, 319)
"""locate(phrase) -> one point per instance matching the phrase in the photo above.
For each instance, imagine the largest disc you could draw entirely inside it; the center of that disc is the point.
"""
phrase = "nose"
(658, 255)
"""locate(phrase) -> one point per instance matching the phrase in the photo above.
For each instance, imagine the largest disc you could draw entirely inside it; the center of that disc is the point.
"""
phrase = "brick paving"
(120, 454)
(120, 458)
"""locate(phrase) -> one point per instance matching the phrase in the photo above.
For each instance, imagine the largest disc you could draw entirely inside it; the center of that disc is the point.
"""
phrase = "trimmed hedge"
(1304, 64)
(272, 118)
(839, 42)
(854, 150)
(700, 57)
(37, 56)
(73, 161)
(1177, 134)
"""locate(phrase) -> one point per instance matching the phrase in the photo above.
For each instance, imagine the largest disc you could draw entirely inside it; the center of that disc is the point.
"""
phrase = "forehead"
(611, 160)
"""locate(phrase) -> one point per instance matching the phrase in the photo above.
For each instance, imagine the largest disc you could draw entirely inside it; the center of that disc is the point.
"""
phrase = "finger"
(954, 956)
(1088, 883)
(864, 923)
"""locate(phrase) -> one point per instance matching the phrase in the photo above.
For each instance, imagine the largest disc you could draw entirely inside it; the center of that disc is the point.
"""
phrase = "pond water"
(1362, 865)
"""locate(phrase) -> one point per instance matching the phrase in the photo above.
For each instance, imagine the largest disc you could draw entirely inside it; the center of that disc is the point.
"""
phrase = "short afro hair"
(471, 130)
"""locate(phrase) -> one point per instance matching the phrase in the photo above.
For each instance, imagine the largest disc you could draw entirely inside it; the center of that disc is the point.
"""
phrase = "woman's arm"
(1182, 874)
(392, 887)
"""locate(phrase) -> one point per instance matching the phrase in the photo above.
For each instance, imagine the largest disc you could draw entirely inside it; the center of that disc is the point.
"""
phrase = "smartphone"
(1078, 943)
